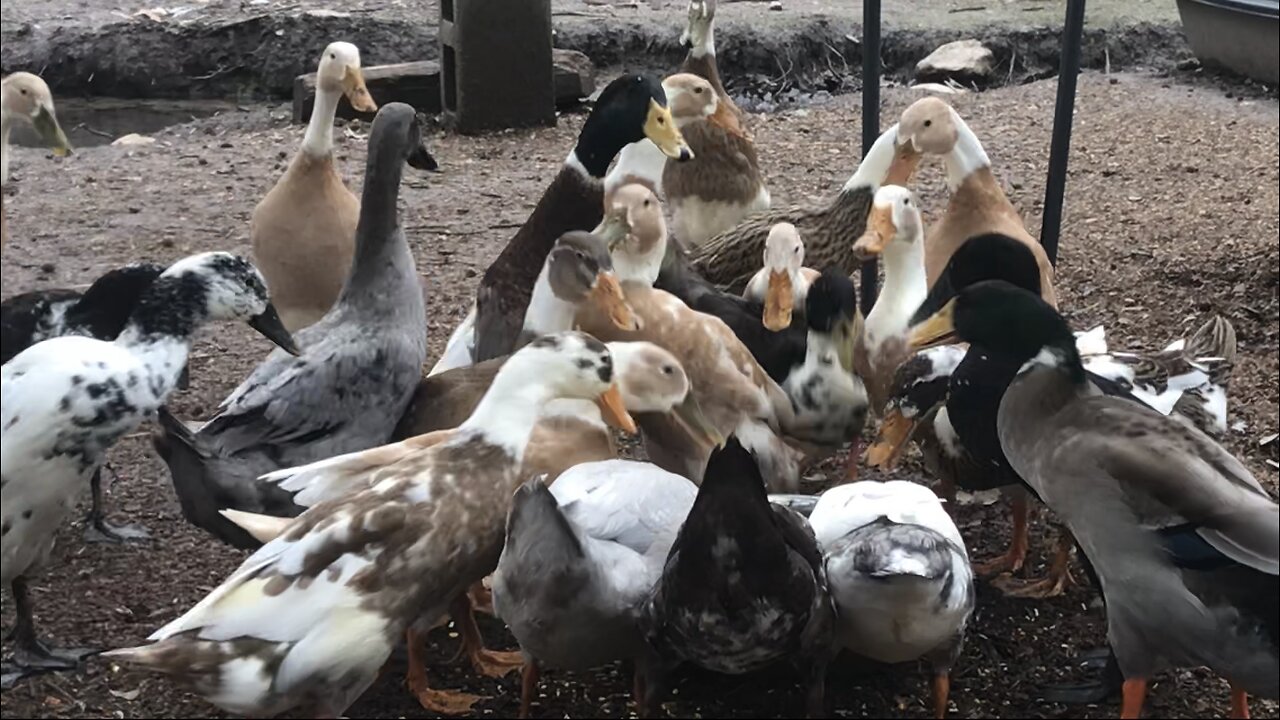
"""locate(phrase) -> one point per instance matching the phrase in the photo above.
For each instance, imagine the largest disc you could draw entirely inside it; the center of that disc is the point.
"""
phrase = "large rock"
(964, 61)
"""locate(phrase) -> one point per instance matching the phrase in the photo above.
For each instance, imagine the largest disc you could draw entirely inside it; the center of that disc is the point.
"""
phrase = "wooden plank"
(418, 84)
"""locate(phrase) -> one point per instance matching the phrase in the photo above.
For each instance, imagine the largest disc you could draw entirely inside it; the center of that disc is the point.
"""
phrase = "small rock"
(1188, 64)
(963, 61)
(48, 268)
(776, 6)
(133, 139)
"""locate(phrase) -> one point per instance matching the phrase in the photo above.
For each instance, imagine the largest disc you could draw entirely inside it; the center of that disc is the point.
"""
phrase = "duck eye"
(668, 370)
(23, 91)
(697, 91)
(646, 203)
(927, 123)
(333, 56)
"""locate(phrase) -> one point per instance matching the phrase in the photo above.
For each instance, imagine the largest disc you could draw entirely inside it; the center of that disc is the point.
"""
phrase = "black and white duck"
(67, 400)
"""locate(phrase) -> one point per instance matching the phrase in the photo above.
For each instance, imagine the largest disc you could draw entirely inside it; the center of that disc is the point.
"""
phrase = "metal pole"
(1060, 149)
(870, 118)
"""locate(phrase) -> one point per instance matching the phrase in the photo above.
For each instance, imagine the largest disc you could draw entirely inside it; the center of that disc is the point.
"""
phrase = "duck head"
(990, 256)
(894, 218)
(27, 96)
(571, 365)
(233, 289)
(929, 126)
(690, 98)
(652, 380)
(636, 232)
(580, 270)
(783, 258)
(339, 72)
(629, 109)
(698, 36)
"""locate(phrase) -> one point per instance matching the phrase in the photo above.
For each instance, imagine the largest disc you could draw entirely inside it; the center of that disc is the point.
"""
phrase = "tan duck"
(26, 98)
(782, 284)
(309, 619)
(303, 231)
(734, 393)
(978, 204)
(895, 232)
(829, 228)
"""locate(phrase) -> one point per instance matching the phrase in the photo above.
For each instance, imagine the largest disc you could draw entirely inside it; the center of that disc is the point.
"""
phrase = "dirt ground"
(1171, 214)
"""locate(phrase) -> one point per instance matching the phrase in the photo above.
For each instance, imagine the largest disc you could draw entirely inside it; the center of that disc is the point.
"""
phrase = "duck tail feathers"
(1216, 338)
(263, 528)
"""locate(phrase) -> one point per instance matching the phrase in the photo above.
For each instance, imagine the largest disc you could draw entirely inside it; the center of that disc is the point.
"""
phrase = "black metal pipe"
(1060, 149)
(870, 119)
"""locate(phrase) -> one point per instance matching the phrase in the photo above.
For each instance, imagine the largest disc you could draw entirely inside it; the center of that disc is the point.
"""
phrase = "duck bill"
(614, 229)
(906, 158)
(357, 94)
(938, 329)
(689, 414)
(880, 230)
(895, 431)
(662, 130)
(46, 124)
(778, 301)
(607, 295)
(422, 159)
(268, 323)
(613, 411)
(846, 336)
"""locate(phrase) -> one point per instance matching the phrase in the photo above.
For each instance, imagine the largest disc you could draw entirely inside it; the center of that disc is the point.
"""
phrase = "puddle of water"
(98, 121)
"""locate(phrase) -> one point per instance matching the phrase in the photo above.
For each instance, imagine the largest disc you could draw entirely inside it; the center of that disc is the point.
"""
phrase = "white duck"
(67, 400)
(314, 614)
(899, 575)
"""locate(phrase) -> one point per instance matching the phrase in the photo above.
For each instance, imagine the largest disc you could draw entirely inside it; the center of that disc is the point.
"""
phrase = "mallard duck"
(829, 229)
(899, 575)
(312, 616)
(67, 400)
(1185, 541)
(782, 283)
(743, 587)
(978, 204)
(732, 389)
(347, 389)
(26, 98)
(580, 559)
(628, 109)
(101, 312)
(895, 230)
(967, 452)
(303, 231)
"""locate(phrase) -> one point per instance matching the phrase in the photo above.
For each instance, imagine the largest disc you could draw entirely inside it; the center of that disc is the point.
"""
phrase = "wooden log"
(418, 84)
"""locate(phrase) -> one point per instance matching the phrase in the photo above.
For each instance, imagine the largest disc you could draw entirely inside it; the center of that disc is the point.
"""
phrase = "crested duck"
(67, 400)
(1184, 540)
(580, 559)
(26, 98)
(630, 108)
(783, 281)
(743, 587)
(899, 575)
(312, 616)
(101, 312)
(303, 231)
(347, 389)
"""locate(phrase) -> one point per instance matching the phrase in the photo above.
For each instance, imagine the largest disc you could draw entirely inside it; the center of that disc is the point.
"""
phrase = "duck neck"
(378, 239)
(6, 125)
(641, 267)
(598, 144)
(905, 287)
(547, 313)
(318, 141)
(1047, 382)
(966, 157)
(875, 165)
(160, 330)
(509, 411)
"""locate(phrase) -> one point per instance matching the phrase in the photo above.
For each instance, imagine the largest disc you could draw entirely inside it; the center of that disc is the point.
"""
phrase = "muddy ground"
(1171, 214)
(252, 49)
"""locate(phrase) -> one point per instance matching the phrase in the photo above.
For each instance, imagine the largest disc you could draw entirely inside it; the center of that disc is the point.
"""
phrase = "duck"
(743, 587)
(303, 231)
(629, 108)
(733, 391)
(68, 400)
(965, 425)
(580, 559)
(1184, 539)
(829, 228)
(347, 388)
(899, 575)
(895, 231)
(25, 97)
(316, 612)
(978, 203)
(101, 311)
(830, 400)
(782, 283)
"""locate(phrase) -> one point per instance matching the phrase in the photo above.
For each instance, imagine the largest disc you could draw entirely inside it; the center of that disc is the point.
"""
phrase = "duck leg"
(30, 655)
(851, 463)
(1239, 702)
(528, 686)
(440, 702)
(941, 693)
(1016, 555)
(97, 529)
(1135, 694)
(1051, 585)
(489, 663)
(482, 598)
(1091, 692)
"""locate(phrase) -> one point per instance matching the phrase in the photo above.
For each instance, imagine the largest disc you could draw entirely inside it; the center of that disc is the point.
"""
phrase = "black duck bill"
(269, 325)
